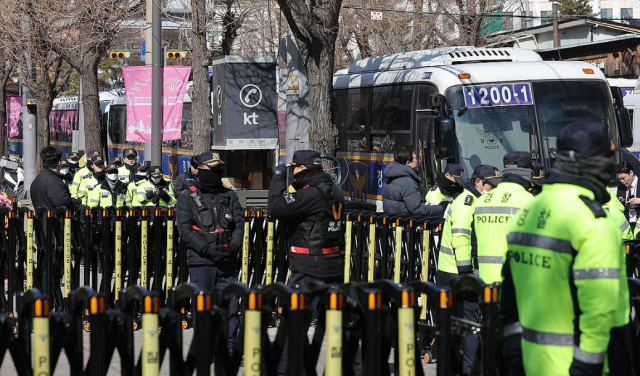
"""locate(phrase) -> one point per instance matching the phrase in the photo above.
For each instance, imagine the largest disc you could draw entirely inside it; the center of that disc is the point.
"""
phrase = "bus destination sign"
(497, 95)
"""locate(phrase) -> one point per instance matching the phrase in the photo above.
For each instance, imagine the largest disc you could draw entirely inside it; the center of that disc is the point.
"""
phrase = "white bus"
(463, 105)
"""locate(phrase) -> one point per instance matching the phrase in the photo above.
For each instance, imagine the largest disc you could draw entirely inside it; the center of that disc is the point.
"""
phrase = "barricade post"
(397, 251)
(253, 334)
(489, 337)
(158, 256)
(406, 345)
(67, 253)
(88, 247)
(118, 254)
(41, 348)
(202, 333)
(372, 334)
(256, 255)
(97, 361)
(384, 249)
(132, 254)
(105, 246)
(144, 242)
(333, 327)
(29, 250)
(150, 336)
(170, 250)
(425, 266)
(360, 244)
(269, 263)
(49, 250)
(371, 259)
(297, 333)
(347, 247)
(10, 258)
(245, 248)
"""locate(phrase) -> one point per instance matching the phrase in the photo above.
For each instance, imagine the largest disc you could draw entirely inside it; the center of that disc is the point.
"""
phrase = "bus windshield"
(505, 117)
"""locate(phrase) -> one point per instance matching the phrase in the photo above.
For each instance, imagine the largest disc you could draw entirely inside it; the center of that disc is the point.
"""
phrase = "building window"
(546, 17)
(606, 14)
(626, 13)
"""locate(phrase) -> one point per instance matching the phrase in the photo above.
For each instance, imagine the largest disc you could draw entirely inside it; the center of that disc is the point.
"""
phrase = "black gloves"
(233, 249)
(149, 195)
(165, 196)
(280, 170)
(216, 253)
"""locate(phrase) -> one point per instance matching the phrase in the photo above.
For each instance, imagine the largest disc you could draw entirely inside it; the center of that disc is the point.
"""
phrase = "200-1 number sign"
(497, 95)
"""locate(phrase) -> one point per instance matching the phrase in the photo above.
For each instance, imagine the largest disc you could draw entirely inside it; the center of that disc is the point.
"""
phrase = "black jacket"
(401, 193)
(184, 181)
(311, 219)
(185, 220)
(49, 190)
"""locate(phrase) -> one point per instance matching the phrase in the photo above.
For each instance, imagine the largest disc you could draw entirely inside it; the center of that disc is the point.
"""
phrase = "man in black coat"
(210, 221)
(188, 178)
(48, 189)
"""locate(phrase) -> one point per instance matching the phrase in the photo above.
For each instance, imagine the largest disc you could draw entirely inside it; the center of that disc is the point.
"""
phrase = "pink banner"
(14, 108)
(137, 85)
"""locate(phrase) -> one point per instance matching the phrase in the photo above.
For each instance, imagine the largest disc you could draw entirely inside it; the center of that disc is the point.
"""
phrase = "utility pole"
(556, 35)
(29, 119)
(156, 88)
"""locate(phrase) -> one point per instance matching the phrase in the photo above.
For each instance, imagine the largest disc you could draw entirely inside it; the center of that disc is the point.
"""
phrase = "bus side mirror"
(625, 130)
(445, 137)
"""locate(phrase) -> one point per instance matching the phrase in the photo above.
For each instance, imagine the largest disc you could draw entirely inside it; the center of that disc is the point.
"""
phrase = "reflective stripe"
(625, 226)
(449, 211)
(78, 184)
(96, 201)
(512, 329)
(596, 273)
(545, 338)
(81, 191)
(463, 263)
(490, 260)
(539, 241)
(460, 231)
(587, 357)
(447, 251)
(305, 251)
(496, 210)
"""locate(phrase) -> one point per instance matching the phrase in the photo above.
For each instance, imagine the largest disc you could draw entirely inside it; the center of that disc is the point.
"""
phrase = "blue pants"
(207, 278)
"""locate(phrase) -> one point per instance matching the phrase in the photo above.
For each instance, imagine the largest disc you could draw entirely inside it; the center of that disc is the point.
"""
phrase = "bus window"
(117, 124)
(424, 95)
(588, 100)
(187, 126)
(352, 118)
(391, 108)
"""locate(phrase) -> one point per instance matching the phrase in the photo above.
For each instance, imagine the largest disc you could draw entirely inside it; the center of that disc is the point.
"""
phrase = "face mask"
(155, 180)
(64, 171)
(138, 178)
(112, 177)
(483, 191)
(75, 163)
(210, 179)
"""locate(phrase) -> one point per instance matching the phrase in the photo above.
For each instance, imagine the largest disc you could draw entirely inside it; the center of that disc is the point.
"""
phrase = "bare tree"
(5, 73)
(85, 31)
(315, 30)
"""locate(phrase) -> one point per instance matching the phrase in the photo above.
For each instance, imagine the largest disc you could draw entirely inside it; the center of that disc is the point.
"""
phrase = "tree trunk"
(45, 104)
(91, 104)
(323, 131)
(4, 76)
(200, 105)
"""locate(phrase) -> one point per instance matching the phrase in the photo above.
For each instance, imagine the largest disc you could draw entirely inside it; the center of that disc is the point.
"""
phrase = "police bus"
(463, 105)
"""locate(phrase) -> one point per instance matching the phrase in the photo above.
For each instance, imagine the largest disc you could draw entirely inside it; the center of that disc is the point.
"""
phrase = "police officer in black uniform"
(187, 178)
(312, 213)
(209, 220)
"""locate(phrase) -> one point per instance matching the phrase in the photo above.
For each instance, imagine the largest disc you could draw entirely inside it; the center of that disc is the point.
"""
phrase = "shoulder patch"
(468, 200)
(595, 206)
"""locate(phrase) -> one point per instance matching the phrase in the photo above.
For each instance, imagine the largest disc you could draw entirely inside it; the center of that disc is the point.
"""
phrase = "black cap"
(538, 173)
(74, 156)
(488, 173)
(116, 161)
(306, 158)
(96, 159)
(155, 172)
(111, 168)
(140, 169)
(456, 171)
(520, 159)
(586, 138)
(210, 159)
(129, 152)
(64, 164)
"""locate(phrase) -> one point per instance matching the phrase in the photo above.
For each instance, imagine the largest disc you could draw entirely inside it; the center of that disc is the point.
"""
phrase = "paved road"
(62, 369)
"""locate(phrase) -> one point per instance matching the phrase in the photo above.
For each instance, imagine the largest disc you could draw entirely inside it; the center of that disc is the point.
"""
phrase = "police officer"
(74, 163)
(65, 173)
(111, 192)
(312, 213)
(130, 160)
(162, 191)
(96, 178)
(83, 173)
(448, 186)
(187, 178)
(141, 191)
(494, 210)
(565, 298)
(457, 248)
(209, 220)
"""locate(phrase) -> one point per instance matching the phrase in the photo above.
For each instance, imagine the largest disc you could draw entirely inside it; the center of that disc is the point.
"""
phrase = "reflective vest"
(492, 213)
(455, 248)
(139, 192)
(617, 215)
(102, 196)
(123, 174)
(87, 185)
(78, 177)
(564, 250)
(435, 196)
